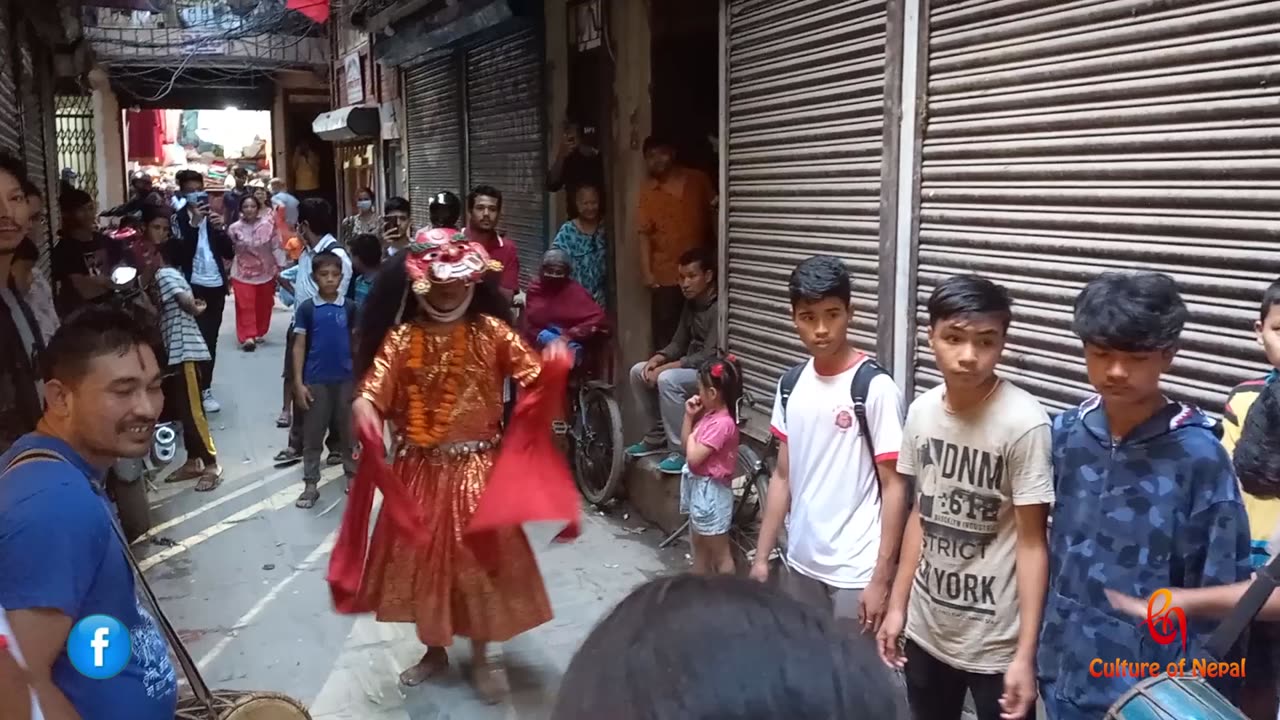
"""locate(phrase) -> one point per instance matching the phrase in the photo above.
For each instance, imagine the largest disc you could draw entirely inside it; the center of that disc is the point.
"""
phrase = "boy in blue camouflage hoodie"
(1146, 499)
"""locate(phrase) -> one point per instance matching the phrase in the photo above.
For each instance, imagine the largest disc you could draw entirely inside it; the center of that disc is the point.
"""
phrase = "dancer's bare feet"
(490, 681)
(433, 663)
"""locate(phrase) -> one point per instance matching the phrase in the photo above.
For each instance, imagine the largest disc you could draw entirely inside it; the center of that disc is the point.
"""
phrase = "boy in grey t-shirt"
(973, 573)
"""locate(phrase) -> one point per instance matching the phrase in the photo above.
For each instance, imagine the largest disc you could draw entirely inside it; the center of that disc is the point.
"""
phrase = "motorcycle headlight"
(165, 443)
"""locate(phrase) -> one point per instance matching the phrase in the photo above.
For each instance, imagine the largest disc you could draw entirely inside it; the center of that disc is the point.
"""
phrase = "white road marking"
(321, 550)
(155, 531)
(277, 501)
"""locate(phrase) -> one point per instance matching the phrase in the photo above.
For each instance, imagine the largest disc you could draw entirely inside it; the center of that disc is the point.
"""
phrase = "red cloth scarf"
(530, 482)
(566, 305)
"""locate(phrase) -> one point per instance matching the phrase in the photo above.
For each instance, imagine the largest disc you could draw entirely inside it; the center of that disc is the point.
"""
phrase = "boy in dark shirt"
(322, 368)
(1146, 498)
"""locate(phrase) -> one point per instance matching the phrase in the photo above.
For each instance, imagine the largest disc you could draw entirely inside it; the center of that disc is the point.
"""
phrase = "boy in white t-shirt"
(975, 558)
(845, 526)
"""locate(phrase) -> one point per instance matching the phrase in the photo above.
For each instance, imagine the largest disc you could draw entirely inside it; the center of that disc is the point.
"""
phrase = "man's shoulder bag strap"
(859, 389)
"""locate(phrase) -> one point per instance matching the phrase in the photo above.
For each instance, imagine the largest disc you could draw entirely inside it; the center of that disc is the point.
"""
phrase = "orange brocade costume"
(440, 584)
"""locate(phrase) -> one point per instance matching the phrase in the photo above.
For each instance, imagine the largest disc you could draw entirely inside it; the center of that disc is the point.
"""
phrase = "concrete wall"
(628, 37)
(108, 135)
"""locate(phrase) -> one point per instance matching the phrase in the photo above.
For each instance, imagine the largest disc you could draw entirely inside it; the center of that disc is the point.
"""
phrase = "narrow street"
(244, 583)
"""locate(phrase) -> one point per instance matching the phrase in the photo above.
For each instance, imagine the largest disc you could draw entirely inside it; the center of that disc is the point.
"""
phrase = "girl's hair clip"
(717, 370)
(731, 358)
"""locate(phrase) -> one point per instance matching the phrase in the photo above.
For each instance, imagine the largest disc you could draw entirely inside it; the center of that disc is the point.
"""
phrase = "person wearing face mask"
(258, 260)
(556, 306)
(364, 222)
(448, 553)
(202, 250)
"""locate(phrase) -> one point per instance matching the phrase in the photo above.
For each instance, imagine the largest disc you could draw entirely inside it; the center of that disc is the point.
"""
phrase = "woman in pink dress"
(253, 272)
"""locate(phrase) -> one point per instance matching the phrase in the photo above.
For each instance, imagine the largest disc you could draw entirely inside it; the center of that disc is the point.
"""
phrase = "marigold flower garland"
(431, 434)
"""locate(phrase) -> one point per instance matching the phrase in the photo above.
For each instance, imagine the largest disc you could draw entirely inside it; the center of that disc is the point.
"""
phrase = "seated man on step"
(663, 382)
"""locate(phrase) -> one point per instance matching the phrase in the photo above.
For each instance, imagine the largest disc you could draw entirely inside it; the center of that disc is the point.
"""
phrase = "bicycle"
(750, 493)
(593, 432)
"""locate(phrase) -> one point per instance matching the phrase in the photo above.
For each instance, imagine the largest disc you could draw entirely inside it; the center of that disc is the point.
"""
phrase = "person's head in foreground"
(821, 292)
(102, 384)
(1267, 328)
(1130, 324)
(720, 648)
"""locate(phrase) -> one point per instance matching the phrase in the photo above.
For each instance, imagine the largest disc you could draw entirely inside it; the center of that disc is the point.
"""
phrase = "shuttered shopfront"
(805, 138)
(37, 133)
(1067, 139)
(505, 136)
(10, 109)
(434, 125)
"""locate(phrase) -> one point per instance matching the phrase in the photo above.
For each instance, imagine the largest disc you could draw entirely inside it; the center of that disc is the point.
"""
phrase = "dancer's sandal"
(433, 663)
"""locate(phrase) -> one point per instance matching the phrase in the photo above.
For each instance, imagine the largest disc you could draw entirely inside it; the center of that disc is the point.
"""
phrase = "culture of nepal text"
(1199, 668)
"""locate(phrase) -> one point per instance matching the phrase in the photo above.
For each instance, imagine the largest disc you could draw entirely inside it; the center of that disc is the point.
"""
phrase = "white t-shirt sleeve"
(778, 423)
(907, 453)
(884, 415)
(1031, 467)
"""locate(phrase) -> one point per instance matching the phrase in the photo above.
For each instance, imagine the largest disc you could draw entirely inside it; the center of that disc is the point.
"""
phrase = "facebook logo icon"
(99, 647)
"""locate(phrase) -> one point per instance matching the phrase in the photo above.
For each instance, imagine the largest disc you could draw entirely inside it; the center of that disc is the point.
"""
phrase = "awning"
(353, 122)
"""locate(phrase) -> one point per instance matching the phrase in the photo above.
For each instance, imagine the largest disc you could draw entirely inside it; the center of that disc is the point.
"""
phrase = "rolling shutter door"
(434, 131)
(10, 110)
(37, 102)
(1065, 140)
(805, 125)
(505, 137)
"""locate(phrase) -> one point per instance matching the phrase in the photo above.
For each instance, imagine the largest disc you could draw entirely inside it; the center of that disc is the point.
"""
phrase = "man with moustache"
(61, 556)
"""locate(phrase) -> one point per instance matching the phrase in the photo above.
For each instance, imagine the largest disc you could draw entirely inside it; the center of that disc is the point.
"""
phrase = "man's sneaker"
(210, 405)
(672, 464)
(644, 448)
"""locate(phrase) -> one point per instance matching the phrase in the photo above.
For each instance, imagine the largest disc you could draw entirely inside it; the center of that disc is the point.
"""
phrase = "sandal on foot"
(283, 420)
(185, 473)
(287, 456)
(428, 667)
(333, 459)
(308, 498)
(490, 682)
(210, 479)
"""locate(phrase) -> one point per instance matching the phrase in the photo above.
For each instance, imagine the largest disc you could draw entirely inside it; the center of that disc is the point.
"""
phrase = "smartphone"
(388, 224)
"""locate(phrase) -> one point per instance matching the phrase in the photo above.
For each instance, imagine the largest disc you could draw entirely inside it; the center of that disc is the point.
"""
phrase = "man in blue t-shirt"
(61, 561)
(323, 385)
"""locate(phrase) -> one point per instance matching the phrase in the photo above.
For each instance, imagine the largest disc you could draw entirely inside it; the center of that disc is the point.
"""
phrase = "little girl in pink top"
(710, 438)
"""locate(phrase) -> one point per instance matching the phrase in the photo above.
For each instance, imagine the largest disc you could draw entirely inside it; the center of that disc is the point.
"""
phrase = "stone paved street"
(245, 583)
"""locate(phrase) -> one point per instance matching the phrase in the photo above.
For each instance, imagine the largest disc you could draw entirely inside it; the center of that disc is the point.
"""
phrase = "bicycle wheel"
(597, 446)
(747, 505)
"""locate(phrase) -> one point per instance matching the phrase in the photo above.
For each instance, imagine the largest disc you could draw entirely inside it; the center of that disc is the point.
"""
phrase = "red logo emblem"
(844, 420)
(1160, 622)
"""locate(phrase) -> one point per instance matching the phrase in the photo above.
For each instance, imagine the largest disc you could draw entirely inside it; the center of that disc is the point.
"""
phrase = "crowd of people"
(962, 544)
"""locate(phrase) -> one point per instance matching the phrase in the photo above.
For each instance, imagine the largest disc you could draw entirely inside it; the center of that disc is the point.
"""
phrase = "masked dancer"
(448, 552)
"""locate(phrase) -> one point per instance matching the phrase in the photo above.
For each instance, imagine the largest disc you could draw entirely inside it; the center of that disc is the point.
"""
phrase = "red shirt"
(503, 250)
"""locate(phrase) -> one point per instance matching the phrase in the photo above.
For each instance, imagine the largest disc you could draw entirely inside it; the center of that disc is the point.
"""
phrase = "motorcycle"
(129, 479)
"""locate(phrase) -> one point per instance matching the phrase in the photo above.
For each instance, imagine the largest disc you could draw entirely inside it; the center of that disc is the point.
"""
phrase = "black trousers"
(666, 304)
(210, 322)
(182, 404)
(936, 690)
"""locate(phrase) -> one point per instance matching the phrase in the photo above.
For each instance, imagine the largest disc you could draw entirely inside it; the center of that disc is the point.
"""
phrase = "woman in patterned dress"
(583, 238)
(433, 363)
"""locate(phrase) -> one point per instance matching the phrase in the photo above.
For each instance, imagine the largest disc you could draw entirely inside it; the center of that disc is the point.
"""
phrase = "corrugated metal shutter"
(434, 123)
(37, 105)
(505, 137)
(1066, 140)
(10, 110)
(805, 124)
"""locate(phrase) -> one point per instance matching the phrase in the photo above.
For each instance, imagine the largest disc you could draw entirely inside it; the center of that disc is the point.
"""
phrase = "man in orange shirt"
(674, 215)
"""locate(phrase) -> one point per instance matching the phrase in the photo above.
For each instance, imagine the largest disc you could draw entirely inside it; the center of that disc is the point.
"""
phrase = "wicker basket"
(239, 705)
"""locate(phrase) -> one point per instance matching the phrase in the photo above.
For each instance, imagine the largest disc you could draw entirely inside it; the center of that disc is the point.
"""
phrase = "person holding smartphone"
(203, 252)
(397, 229)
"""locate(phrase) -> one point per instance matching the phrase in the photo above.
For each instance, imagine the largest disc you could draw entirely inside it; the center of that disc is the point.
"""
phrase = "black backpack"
(859, 388)
(1257, 454)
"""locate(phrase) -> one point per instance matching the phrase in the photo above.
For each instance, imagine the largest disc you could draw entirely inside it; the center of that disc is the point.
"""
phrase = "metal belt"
(447, 450)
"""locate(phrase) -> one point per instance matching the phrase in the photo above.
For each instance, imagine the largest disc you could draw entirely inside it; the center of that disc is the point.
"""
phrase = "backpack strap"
(861, 387)
(788, 384)
(33, 455)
